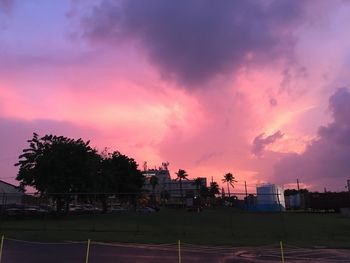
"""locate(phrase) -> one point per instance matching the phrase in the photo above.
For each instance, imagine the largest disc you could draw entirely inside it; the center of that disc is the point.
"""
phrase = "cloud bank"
(326, 159)
(192, 42)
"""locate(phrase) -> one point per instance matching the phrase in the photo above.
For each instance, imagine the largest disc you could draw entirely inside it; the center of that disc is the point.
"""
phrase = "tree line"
(57, 166)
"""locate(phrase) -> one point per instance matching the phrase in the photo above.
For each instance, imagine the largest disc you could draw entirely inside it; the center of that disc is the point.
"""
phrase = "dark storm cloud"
(6, 6)
(327, 159)
(260, 142)
(194, 41)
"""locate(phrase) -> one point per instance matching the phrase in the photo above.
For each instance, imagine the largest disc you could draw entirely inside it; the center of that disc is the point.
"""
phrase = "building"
(10, 194)
(163, 176)
(329, 201)
(171, 186)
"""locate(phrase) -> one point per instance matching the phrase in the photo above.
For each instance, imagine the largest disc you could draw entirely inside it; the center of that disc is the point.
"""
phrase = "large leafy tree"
(118, 174)
(230, 180)
(181, 175)
(54, 165)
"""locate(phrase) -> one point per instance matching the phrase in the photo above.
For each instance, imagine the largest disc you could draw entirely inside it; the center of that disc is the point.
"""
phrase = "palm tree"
(181, 175)
(198, 183)
(230, 180)
(154, 181)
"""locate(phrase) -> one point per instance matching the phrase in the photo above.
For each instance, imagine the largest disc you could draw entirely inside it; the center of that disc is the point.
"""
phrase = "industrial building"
(10, 194)
(269, 198)
(170, 186)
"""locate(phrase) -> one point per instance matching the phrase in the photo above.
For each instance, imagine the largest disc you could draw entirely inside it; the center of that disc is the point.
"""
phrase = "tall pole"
(1, 246)
(87, 251)
(246, 195)
(282, 252)
(298, 185)
(179, 250)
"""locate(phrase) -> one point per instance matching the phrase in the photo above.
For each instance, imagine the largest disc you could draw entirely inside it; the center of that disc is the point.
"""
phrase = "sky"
(256, 88)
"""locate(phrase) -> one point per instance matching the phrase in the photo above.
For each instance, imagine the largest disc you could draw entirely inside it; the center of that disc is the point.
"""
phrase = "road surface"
(31, 252)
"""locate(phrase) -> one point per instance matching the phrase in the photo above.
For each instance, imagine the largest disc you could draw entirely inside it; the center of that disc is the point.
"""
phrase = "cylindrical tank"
(270, 194)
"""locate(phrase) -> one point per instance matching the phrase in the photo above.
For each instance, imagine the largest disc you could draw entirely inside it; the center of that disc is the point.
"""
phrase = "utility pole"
(298, 185)
(246, 195)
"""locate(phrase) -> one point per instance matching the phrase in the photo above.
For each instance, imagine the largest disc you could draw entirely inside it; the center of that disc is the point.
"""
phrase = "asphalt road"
(29, 252)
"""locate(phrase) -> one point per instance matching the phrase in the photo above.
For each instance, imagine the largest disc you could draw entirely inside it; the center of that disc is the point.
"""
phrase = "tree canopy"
(181, 175)
(230, 180)
(57, 164)
(119, 174)
(214, 189)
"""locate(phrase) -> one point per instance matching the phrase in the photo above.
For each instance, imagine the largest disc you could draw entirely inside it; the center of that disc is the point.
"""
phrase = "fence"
(33, 204)
(13, 250)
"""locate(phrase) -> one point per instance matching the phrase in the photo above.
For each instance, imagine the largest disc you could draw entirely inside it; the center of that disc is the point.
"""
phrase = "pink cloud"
(156, 105)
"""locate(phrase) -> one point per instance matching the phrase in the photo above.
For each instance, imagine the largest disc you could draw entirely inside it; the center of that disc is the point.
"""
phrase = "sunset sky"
(256, 88)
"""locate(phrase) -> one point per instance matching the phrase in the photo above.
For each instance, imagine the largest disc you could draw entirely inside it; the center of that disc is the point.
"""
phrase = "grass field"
(210, 227)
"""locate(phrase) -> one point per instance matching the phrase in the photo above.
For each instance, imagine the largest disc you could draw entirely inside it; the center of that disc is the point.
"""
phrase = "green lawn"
(211, 227)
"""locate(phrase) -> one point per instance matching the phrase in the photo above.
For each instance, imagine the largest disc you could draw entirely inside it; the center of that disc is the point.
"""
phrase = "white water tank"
(270, 194)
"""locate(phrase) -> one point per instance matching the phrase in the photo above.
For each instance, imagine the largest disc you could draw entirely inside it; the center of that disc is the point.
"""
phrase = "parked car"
(76, 209)
(35, 210)
(14, 211)
(145, 209)
(117, 209)
(88, 208)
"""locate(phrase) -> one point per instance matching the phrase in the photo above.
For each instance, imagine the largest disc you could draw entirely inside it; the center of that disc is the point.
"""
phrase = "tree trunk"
(228, 190)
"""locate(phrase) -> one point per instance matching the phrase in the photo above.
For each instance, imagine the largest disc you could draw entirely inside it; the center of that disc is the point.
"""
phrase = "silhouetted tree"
(204, 191)
(57, 164)
(214, 189)
(181, 175)
(230, 180)
(118, 174)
